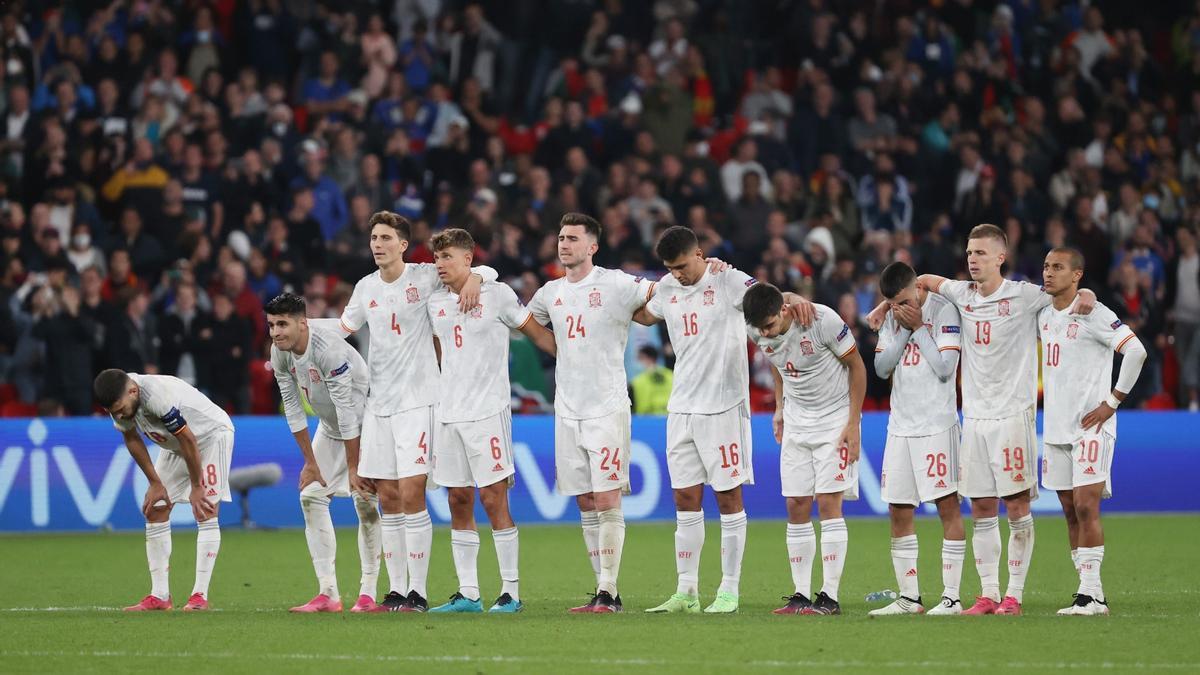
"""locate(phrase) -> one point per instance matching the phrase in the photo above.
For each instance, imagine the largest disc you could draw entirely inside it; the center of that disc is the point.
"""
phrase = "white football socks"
(802, 548)
(322, 542)
(985, 540)
(1090, 559)
(733, 547)
(208, 544)
(369, 543)
(464, 545)
(591, 539)
(395, 551)
(953, 552)
(611, 532)
(1020, 552)
(904, 563)
(418, 538)
(834, 542)
(507, 549)
(158, 557)
(689, 541)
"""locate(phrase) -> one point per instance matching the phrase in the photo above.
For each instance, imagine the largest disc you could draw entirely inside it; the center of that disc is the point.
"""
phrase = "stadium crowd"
(166, 167)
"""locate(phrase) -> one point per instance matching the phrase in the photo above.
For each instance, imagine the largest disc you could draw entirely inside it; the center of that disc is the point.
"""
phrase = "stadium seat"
(8, 392)
(17, 409)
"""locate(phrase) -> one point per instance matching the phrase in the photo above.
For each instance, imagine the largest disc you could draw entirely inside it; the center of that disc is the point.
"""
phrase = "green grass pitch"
(58, 591)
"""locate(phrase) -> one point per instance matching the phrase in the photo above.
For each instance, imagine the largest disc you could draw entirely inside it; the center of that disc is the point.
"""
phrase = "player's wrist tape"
(1113, 402)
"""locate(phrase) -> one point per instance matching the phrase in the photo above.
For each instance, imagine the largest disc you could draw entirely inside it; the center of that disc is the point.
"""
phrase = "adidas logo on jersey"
(420, 460)
(940, 484)
(498, 467)
(558, 302)
(441, 312)
(840, 477)
(674, 300)
(912, 572)
(735, 474)
(1089, 471)
(614, 476)
(211, 493)
(1019, 477)
(373, 305)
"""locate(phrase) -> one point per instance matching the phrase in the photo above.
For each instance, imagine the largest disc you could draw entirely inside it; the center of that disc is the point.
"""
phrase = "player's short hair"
(761, 302)
(989, 231)
(452, 237)
(895, 278)
(1074, 257)
(590, 224)
(109, 386)
(676, 241)
(393, 220)
(286, 304)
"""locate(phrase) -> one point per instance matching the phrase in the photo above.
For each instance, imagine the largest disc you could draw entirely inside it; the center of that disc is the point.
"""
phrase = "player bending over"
(1080, 428)
(333, 377)
(195, 439)
(474, 428)
(998, 457)
(918, 349)
(398, 424)
(818, 415)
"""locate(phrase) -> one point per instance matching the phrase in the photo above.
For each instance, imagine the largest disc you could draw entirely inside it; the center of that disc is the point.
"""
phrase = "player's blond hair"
(452, 237)
(989, 231)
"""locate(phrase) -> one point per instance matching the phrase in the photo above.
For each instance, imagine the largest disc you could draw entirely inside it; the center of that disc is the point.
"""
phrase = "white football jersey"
(922, 404)
(333, 377)
(167, 405)
(707, 330)
(999, 341)
(403, 366)
(475, 351)
(816, 389)
(591, 320)
(1077, 365)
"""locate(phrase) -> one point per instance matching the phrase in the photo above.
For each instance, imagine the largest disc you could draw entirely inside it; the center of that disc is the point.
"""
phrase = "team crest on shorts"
(594, 299)
(1072, 331)
(806, 347)
(314, 374)
(1004, 309)
(477, 312)
(710, 296)
(412, 294)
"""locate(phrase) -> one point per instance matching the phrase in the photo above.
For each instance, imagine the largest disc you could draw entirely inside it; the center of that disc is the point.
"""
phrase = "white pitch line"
(649, 663)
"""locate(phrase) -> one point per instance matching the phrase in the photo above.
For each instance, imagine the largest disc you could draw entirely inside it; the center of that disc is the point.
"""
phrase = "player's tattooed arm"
(777, 419)
(156, 492)
(541, 336)
(800, 308)
(851, 438)
(644, 317)
(189, 450)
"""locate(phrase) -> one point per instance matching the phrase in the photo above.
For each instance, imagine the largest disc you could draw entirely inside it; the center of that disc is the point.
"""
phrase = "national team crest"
(806, 347)
(1004, 308)
(477, 312)
(314, 374)
(1072, 331)
(412, 294)
(594, 299)
(710, 296)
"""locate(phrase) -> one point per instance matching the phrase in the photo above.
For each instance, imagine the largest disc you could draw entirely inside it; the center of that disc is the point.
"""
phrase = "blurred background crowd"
(167, 166)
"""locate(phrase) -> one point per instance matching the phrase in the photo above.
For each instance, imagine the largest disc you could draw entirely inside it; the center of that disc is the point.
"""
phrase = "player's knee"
(586, 502)
(493, 500)
(367, 508)
(1086, 511)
